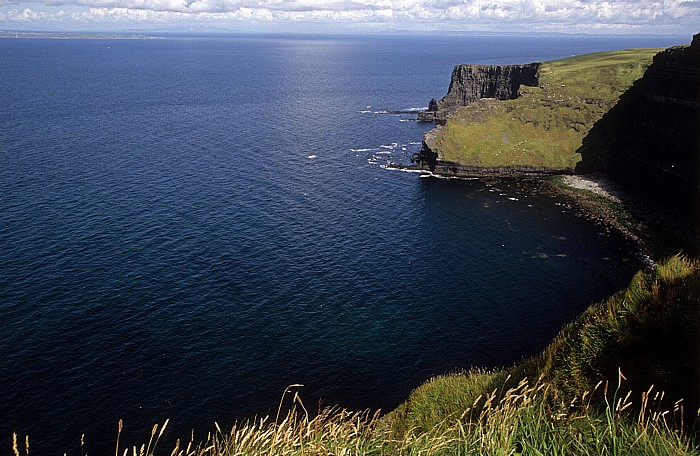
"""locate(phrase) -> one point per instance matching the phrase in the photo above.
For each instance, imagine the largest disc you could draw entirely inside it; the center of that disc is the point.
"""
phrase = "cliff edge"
(470, 83)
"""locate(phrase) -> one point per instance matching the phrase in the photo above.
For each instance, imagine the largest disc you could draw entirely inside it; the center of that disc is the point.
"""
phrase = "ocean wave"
(441, 176)
(406, 170)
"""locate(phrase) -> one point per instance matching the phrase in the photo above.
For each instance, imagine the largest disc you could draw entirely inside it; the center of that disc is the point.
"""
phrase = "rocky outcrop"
(433, 105)
(502, 82)
(431, 115)
(650, 141)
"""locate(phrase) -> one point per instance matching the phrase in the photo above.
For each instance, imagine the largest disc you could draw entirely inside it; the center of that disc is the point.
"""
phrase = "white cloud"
(555, 15)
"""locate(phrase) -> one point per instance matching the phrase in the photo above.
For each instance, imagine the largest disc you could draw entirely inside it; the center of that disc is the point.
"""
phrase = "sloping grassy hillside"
(646, 337)
(546, 125)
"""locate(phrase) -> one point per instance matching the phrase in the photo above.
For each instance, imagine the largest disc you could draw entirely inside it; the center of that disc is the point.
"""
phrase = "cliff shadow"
(649, 142)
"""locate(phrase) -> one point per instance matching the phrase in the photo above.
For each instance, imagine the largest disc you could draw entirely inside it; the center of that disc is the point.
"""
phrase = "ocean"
(190, 224)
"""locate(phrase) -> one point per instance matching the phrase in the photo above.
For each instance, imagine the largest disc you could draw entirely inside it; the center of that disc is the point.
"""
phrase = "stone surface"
(473, 82)
(433, 105)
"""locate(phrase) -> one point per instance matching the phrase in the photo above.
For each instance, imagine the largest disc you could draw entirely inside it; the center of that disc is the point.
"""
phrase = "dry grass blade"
(14, 444)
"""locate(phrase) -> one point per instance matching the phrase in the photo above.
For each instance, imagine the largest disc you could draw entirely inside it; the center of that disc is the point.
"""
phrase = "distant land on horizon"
(165, 33)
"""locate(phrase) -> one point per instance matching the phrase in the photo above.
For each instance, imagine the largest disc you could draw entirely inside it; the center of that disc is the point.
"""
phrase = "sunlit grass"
(520, 420)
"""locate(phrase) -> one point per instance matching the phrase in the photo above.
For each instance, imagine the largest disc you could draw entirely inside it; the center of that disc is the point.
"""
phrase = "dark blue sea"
(190, 224)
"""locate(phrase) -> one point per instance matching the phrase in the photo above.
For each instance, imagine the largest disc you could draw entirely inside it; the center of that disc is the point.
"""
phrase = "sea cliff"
(470, 83)
(631, 117)
(526, 118)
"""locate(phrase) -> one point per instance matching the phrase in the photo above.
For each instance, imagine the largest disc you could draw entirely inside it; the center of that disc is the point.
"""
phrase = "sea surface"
(188, 225)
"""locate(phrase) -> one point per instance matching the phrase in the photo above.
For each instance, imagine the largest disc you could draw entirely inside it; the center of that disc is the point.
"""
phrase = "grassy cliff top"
(545, 126)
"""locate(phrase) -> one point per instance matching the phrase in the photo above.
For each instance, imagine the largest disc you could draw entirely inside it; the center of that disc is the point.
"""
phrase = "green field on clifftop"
(545, 126)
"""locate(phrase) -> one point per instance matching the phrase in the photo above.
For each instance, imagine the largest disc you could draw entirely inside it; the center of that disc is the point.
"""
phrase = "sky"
(657, 17)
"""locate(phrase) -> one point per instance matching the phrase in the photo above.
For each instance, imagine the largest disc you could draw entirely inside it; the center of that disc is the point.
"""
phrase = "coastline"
(657, 230)
(602, 201)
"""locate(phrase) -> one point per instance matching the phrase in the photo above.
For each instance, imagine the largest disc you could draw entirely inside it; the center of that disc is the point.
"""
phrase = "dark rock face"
(473, 82)
(427, 156)
(650, 141)
(433, 105)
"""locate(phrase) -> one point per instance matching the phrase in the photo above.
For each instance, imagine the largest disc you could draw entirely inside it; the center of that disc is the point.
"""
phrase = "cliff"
(506, 119)
(470, 83)
(650, 141)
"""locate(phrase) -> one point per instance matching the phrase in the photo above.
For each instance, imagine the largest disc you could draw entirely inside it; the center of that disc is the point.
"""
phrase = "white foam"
(424, 173)
(439, 176)
(311, 156)
(361, 150)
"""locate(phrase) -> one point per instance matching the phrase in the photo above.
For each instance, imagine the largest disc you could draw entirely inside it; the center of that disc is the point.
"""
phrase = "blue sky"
(664, 17)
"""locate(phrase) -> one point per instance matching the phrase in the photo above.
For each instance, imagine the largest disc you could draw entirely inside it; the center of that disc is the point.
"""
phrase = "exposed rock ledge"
(596, 184)
(455, 170)
(470, 83)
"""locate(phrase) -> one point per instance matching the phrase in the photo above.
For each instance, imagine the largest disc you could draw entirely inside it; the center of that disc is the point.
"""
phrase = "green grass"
(594, 390)
(545, 126)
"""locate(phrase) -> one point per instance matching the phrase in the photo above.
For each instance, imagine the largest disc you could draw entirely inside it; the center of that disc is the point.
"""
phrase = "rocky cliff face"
(650, 140)
(473, 82)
